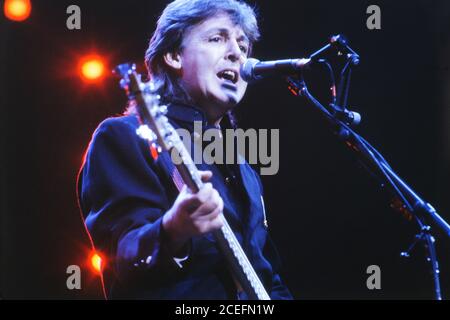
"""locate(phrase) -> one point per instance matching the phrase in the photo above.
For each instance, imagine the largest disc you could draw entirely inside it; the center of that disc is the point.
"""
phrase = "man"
(158, 242)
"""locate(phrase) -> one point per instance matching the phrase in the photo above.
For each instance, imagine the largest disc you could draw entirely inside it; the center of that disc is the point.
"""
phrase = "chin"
(229, 103)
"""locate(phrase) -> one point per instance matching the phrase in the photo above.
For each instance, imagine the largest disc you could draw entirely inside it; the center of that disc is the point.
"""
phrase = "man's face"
(212, 53)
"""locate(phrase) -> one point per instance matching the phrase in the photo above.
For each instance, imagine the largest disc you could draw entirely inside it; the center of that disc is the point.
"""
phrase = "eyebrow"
(227, 32)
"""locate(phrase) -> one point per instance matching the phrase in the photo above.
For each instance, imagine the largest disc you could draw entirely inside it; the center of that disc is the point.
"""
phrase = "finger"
(216, 223)
(204, 209)
(217, 199)
(205, 175)
(210, 216)
(205, 192)
(221, 204)
(214, 201)
(189, 202)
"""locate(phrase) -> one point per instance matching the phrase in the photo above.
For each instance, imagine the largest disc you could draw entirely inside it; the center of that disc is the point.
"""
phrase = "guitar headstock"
(155, 126)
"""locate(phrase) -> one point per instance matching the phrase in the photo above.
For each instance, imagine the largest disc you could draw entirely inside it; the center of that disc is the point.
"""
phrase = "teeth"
(229, 75)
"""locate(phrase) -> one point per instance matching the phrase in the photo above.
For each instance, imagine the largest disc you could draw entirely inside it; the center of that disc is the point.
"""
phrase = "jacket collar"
(185, 113)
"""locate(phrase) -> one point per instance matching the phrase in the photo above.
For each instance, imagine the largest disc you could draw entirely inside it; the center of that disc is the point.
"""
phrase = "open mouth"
(229, 75)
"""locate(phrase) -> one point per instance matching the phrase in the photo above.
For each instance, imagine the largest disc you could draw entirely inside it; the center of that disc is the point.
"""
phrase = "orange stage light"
(17, 10)
(92, 68)
(97, 262)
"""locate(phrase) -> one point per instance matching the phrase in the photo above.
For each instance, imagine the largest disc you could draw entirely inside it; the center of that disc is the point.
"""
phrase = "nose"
(234, 52)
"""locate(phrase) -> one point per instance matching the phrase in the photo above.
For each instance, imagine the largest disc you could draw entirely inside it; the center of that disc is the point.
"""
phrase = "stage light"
(92, 68)
(17, 10)
(97, 262)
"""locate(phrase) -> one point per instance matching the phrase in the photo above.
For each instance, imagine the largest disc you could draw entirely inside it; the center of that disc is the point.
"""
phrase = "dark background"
(328, 218)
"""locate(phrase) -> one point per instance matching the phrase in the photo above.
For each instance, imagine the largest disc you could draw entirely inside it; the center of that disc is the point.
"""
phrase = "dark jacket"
(123, 194)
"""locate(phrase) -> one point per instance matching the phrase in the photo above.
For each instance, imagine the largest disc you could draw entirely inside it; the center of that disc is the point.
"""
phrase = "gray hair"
(179, 17)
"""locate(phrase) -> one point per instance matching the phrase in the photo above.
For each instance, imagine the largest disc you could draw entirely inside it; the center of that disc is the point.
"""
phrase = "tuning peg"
(160, 112)
(149, 87)
(124, 83)
(163, 109)
(146, 133)
(124, 69)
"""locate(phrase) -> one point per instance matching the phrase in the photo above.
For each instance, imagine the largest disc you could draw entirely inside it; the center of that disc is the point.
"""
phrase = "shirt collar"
(185, 113)
(188, 113)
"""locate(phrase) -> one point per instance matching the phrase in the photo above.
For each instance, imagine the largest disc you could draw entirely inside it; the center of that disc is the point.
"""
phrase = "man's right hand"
(193, 214)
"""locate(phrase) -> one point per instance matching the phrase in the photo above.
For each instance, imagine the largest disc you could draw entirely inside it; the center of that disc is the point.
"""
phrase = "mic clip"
(341, 44)
(350, 118)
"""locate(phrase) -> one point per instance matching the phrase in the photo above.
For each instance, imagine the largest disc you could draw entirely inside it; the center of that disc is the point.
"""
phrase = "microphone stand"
(404, 199)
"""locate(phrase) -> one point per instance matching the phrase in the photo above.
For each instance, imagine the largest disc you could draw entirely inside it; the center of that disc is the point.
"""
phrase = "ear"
(173, 59)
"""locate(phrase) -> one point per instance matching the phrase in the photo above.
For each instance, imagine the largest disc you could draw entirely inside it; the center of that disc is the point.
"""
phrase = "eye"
(244, 49)
(215, 39)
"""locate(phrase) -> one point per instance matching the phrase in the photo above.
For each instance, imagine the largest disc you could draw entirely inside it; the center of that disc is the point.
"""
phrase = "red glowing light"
(154, 152)
(92, 68)
(17, 10)
(97, 262)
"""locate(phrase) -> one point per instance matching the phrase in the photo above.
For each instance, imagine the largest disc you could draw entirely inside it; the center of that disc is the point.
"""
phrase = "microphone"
(253, 69)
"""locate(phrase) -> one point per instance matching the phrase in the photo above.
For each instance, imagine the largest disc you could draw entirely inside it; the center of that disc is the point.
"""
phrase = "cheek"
(189, 69)
(190, 64)
(199, 73)
(192, 78)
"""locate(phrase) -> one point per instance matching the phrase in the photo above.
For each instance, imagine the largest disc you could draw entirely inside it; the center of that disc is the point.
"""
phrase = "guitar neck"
(157, 129)
(241, 267)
